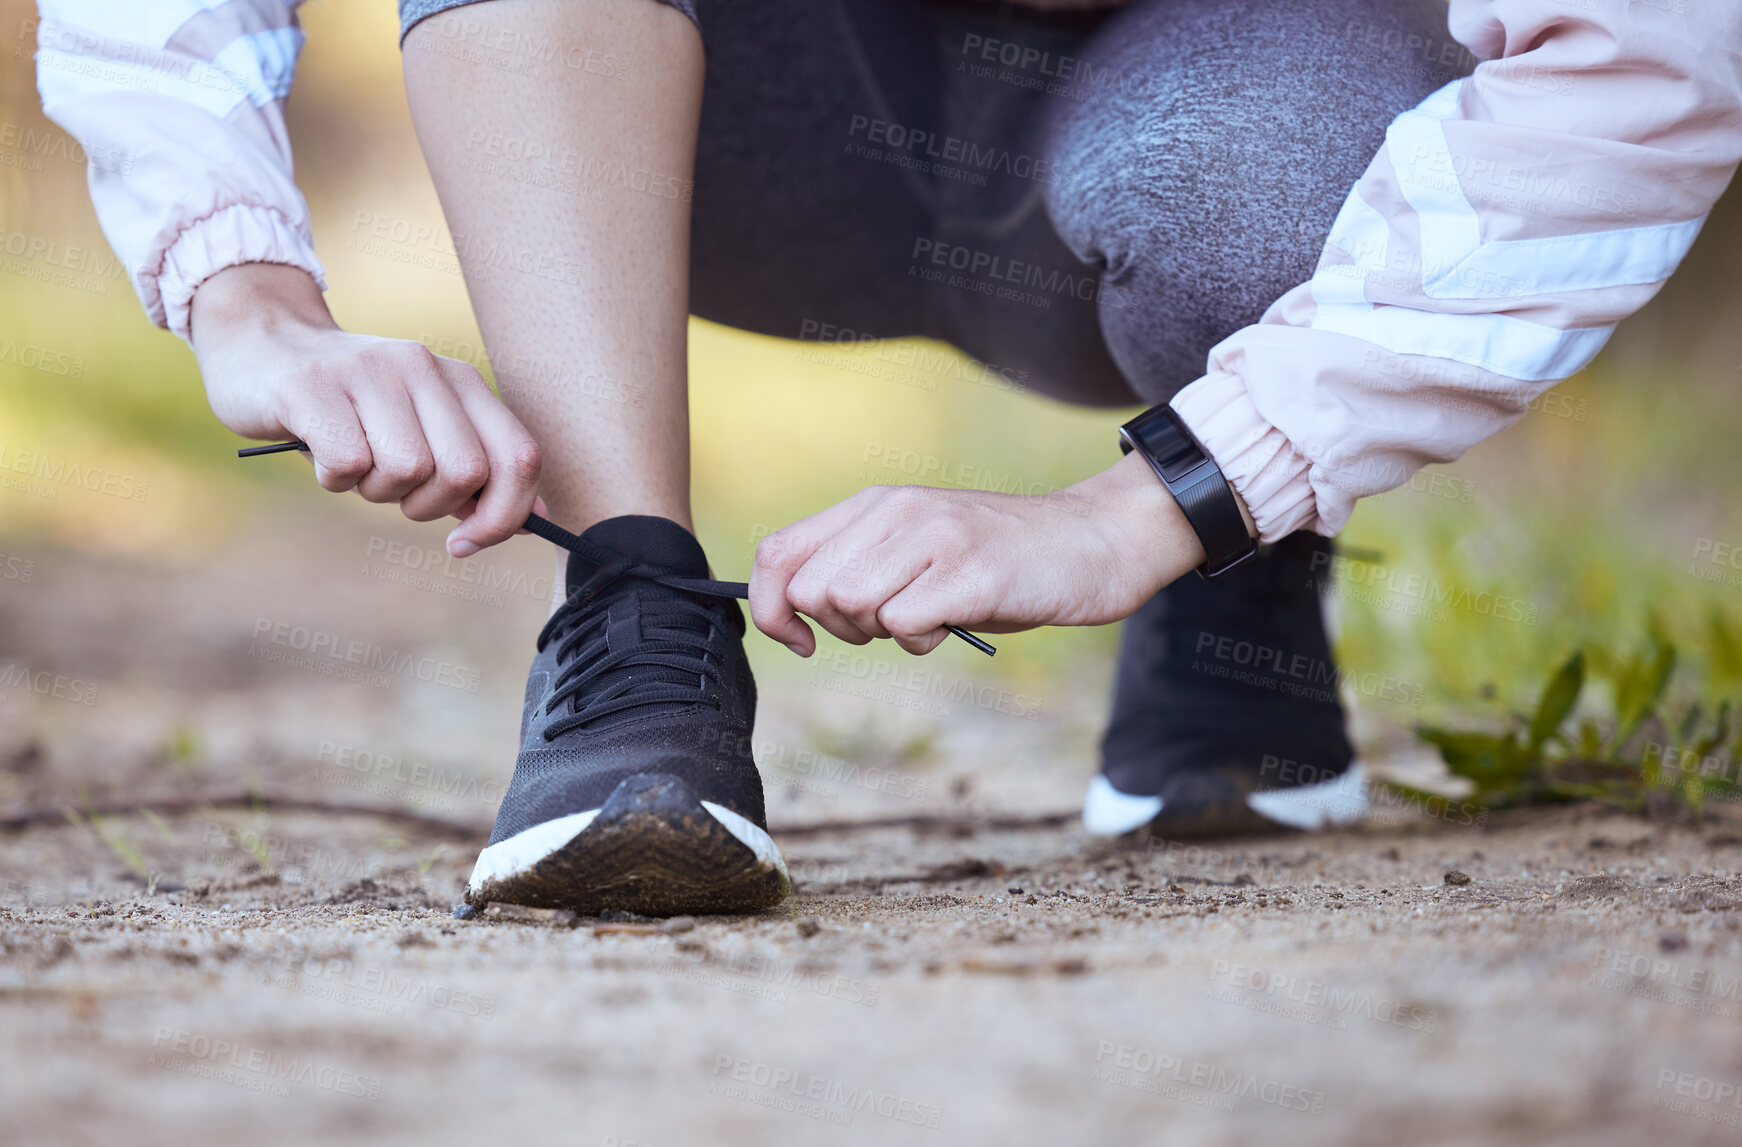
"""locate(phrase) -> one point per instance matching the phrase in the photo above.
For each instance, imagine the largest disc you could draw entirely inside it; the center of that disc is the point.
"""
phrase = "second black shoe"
(1225, 712)
(635, 788)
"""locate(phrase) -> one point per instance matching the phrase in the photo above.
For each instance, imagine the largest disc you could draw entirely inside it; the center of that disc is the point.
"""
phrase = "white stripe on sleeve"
(1499, 344)
(257, 68)
(1458, 265)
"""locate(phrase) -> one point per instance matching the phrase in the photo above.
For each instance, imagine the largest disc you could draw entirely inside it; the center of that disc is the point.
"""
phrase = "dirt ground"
(959, 963)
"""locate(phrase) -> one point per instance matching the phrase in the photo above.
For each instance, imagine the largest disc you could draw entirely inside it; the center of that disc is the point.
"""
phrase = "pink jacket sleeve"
(1508, 224)
(189, 94)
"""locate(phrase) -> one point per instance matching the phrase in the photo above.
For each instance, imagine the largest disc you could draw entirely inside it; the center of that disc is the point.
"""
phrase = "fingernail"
(462, 547)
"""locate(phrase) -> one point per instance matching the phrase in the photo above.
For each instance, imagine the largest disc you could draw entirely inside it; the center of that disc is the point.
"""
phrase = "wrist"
(1133, 484)
(1144, 528)
(1211, 505)
(255, 299)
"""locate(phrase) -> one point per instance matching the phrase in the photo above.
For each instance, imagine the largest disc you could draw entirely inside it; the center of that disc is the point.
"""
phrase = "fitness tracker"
(1196, 483)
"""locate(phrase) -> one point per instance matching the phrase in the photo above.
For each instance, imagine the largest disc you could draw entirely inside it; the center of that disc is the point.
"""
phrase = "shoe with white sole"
(1225, 713)
(1237, 807)
(635, 789)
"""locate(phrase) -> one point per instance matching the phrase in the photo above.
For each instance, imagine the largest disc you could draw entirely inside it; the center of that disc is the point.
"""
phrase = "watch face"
(1174, 453)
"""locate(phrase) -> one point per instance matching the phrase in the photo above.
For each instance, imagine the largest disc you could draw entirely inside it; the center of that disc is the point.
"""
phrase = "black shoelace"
(597, 681)
(604, 559)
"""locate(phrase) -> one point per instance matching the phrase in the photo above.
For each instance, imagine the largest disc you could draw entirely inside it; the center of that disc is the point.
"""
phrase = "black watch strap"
(1196, 483)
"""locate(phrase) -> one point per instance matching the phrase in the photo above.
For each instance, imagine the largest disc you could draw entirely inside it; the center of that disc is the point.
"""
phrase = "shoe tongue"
(631, 612)
(657, 542)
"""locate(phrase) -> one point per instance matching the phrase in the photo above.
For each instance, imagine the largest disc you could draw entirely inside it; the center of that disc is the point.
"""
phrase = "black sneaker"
(635, 789)
(1225, 714)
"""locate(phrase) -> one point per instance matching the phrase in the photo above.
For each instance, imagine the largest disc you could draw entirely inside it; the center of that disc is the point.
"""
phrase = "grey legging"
(1086, 202)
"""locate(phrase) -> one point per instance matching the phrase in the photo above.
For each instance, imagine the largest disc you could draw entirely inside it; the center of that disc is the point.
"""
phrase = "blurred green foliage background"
(1589, 516)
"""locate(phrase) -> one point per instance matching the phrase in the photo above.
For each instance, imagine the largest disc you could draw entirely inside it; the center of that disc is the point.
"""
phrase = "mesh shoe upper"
(1230, 677)
(641, 670)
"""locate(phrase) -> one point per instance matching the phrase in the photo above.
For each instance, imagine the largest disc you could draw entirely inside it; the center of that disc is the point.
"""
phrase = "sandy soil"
(977, 972)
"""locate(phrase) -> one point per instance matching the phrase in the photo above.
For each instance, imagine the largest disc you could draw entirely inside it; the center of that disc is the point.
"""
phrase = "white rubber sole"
(519, 853)
(1342, 800)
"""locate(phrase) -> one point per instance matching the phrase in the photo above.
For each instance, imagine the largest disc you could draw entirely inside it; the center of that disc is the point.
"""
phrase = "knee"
(1224, 135)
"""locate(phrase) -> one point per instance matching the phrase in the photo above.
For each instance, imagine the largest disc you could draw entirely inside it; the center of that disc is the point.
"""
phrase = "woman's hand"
(904, 561)
(382, 416)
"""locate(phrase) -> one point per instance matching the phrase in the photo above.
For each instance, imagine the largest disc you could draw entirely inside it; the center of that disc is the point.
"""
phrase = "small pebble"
(1453, 876)
(464, 912)
(808, 927)
(1672, 940)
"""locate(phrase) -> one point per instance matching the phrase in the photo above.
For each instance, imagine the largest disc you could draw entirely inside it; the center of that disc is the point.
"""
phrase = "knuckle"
(345, 464)
(904, 620)
(412, 354)
(423, 467)
(469, 471)
(405, 469)
(908, 503)
(776, 551)
(390, 473)
(808, 596)
(854, 600)
(461, 374)
(377, 356)
(397, 358)
(527, 461)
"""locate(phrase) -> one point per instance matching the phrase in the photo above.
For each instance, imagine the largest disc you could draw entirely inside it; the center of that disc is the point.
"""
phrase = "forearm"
(580, 279)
